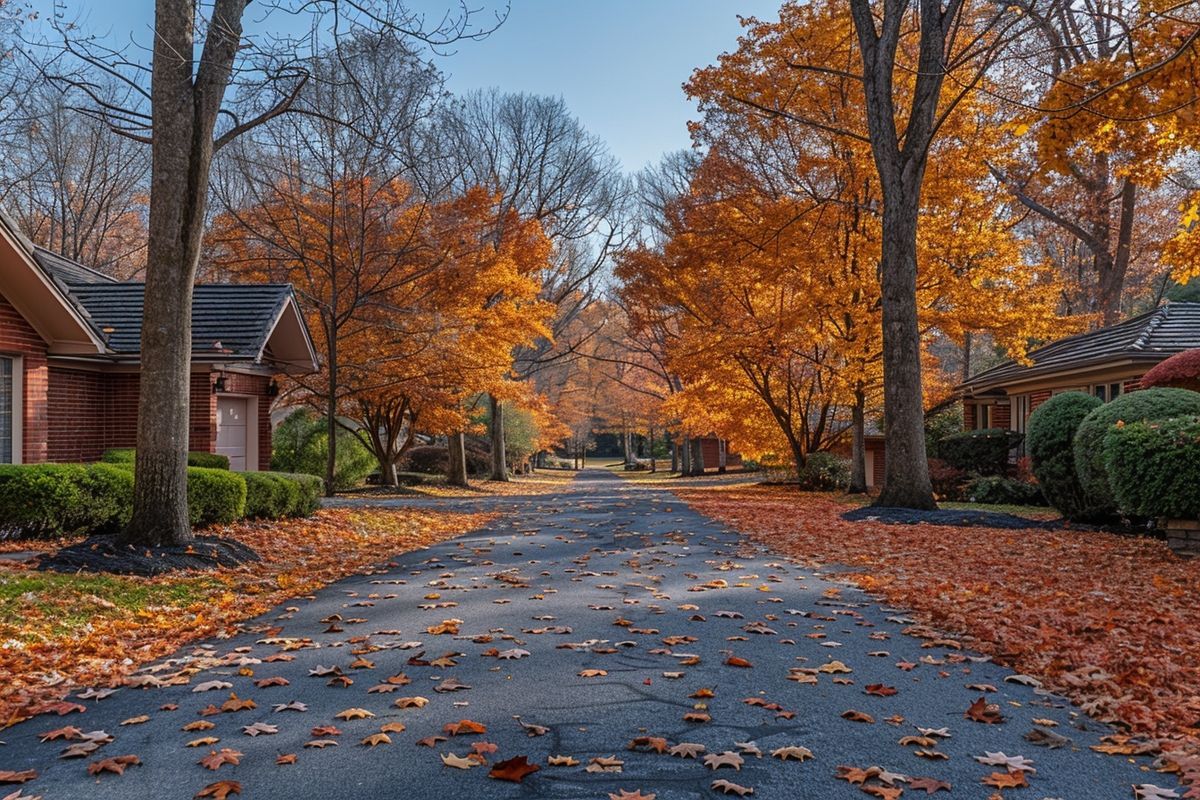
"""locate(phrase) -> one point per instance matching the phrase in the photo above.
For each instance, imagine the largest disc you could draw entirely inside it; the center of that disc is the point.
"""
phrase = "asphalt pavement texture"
(607, 613)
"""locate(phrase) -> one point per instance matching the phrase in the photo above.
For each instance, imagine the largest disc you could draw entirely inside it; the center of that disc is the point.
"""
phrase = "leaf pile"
(1104, 619)
(62, 631)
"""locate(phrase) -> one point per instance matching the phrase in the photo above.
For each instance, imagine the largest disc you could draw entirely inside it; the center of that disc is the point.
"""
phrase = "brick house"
(1107, 363)
(69, 360)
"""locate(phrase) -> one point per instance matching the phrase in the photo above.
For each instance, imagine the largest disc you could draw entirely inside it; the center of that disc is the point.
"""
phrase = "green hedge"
(1146, 405)
(1051, 440)
(985, 452)
(58, 499)
(1154, 467)
(271, 495)
(196, 458)
(215, 496)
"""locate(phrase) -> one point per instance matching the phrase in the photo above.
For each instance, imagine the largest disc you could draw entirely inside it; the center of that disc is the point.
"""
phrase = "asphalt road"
(611, 577)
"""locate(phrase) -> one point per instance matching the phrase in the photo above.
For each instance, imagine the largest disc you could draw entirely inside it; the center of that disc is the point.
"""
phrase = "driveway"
(573, 626)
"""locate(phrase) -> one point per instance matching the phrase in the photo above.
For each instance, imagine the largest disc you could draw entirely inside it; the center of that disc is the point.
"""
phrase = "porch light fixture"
(273, 389)
(219, 384)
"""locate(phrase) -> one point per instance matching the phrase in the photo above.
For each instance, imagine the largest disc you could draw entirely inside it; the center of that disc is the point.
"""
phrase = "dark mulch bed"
(107, 554)
(947, 516)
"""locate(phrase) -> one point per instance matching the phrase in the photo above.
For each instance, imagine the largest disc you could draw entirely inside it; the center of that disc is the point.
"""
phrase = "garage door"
(231, 430)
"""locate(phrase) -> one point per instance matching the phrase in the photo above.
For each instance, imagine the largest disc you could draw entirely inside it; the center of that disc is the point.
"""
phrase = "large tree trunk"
(496, 432)
(674, 456)
(185, 102)
(685, 456)
(457, 445)
(721, 456)
(653, 460)
(906, 470)
(858, 451)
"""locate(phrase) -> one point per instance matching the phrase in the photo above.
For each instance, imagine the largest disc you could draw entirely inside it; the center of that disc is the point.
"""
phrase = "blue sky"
(618, 63)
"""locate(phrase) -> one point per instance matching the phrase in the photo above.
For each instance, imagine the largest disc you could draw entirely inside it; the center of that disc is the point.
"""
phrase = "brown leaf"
(1007, 780)
(514, 769)
(219, 790)
(116, 765)
(376, 739)
(857, 716)
(17, 776)
(215, 760)
(729, 787)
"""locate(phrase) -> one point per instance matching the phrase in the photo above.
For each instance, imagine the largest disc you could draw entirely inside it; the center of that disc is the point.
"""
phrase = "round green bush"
(301, 444)
(44, 500)
(1149, 404)
(304, 493)
(1051, 441)
(215, 496)
(1154, 467)
(999, 490)
(266, 495)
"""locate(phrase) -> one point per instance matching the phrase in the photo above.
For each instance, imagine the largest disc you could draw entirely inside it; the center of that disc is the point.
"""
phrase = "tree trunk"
(858, 450)
(721, 454)
(331, 418)
(496, 431)
(906, 470)
(966, 357)
(457, 445)
(697, 457)
(674, 456)
(185, 101)
(1113, 283)
(653, 460)
(685, 455)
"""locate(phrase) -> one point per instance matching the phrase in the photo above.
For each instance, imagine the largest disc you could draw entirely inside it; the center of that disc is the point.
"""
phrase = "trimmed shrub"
(44, 500)
(823, 472)
(1052, 429)
(195, 458)
(1180, 371)
(57, 499)
(985, 452)
(215, 496)
(1148, 405)
(267, 495)
(110, 487)
(1154, 467)
(307, 492)
(272, 495)
(999, 490)
(301, 444)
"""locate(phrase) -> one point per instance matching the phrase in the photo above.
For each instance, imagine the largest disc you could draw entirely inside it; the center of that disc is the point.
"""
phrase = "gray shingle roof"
(1149, 337)
(229, 321)
(68, 271)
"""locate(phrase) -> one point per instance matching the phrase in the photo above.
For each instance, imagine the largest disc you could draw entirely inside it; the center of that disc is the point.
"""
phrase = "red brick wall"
(1001, 415)
(76, 403)
(1037, 398)
(876, 447)
(90, 412)
(18, 338)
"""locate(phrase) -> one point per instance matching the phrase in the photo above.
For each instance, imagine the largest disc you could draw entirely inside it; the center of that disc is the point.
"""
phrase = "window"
(1107, 391)
(983, 417)
(6, 410)
(1020, 414)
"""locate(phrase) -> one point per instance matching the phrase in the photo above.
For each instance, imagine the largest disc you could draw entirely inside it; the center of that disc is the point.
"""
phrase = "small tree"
(1180, 371)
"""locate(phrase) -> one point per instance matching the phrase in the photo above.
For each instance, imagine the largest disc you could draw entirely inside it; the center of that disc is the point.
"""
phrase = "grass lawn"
(1109, 620)
(61, 631)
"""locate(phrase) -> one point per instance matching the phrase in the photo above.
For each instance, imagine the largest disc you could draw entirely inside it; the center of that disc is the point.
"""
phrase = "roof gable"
(230, 322)
(1149, 337)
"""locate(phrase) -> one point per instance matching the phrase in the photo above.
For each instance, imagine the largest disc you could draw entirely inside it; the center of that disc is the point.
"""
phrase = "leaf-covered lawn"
(60, 631)
(1111, 621)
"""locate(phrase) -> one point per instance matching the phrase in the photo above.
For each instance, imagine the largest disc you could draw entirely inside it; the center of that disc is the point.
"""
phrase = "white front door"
(232, 430)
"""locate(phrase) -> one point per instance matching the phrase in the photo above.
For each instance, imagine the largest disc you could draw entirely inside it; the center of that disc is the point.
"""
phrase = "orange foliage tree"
(416, 305)
(770, 265)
